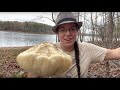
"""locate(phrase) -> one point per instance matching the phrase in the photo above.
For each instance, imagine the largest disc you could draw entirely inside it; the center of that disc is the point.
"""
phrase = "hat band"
(66, 19)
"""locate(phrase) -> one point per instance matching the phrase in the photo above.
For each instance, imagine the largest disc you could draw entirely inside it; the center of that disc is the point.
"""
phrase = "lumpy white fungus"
(44, 59)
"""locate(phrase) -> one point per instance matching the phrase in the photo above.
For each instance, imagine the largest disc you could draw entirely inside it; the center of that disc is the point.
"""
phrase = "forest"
(105, 30)
(31, 27)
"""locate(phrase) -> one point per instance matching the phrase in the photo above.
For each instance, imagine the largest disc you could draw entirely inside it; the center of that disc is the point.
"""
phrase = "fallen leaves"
(10, 69)
(8, 66)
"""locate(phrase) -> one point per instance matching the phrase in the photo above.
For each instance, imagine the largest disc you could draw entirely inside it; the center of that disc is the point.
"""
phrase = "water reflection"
(13, 39)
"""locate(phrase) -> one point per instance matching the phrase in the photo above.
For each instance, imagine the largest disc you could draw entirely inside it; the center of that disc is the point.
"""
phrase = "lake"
(16, 39)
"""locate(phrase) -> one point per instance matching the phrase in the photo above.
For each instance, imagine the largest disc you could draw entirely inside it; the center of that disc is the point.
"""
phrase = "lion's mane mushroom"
(44, 59)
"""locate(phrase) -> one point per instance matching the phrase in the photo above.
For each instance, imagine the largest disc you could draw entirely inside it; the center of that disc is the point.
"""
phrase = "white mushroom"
(44, 59)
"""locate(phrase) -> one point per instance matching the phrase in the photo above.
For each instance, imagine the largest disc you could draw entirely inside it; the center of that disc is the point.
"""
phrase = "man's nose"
(68, 32)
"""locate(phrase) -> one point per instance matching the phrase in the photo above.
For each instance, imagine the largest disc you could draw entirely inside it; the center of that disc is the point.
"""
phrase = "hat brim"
(54, 28)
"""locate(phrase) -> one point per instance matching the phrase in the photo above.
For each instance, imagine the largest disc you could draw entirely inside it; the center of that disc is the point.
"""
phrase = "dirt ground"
(10, 69)
(8, 65)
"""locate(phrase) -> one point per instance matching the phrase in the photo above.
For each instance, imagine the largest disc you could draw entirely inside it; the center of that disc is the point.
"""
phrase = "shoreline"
(29, 32)
(15, 47)
(12, 49)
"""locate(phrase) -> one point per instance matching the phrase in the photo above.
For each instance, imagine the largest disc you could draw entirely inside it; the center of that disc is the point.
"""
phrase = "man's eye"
(62, 30)
(73, 29)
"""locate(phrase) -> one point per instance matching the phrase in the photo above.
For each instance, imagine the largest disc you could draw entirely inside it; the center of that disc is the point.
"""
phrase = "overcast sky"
(27, 16)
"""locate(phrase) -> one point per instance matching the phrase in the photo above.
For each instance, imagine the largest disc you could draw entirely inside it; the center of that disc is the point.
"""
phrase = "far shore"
(30, 32)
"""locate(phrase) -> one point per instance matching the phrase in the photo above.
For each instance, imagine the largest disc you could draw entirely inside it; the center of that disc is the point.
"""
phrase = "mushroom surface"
(44, 59)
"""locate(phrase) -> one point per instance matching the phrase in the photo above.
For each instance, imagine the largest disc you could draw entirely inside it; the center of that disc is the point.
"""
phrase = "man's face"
(67, 33)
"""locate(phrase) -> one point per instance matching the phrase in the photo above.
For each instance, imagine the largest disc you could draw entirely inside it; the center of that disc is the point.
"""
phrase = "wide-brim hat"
(65, 17)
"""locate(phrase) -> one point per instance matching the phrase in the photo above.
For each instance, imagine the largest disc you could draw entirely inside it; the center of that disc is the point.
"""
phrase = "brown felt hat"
(65, 17)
